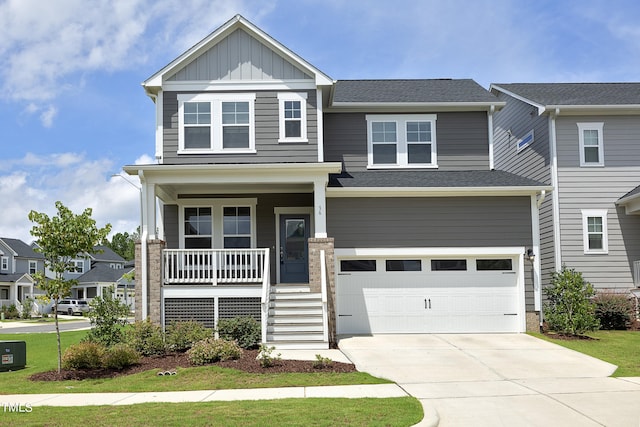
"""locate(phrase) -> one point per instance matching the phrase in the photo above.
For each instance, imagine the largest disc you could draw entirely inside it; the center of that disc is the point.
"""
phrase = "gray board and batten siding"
(461, 140)
(266, 125)
(433, 222)
(239, 56)
(599, 188)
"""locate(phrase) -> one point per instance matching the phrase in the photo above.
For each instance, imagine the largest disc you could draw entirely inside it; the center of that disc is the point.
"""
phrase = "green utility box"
(13, 355)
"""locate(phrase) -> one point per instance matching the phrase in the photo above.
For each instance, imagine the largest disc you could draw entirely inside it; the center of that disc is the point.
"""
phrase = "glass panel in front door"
(295, 244)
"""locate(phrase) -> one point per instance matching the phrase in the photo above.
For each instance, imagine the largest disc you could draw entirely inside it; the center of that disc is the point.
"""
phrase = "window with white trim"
(33, 267)
(401, 140)
(293, 116)
(237, 227)
(4, 263)
(198, 230)
(591, 144)
(594, 229)
(78, 266)
(216, 123)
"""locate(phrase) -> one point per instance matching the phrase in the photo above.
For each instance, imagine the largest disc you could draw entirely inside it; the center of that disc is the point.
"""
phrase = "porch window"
(4, 263)
(237, 227)
(197, 228)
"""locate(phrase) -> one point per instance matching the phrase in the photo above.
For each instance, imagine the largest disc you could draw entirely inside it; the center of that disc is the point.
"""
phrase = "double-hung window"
(293, 116)
(216, 123)
(402, 140)
(237, 227)
(591, 144)
(78, 266)
(594, 229)
(197, 228)
(4, 263)
(33, 267)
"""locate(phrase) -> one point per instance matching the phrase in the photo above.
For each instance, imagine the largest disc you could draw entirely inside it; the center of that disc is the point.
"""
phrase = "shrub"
(85, 355)
(613, 310)
(120, 356)
(145, 338)
(10, 312)
(180, 336)
(246, 331)
(211, 350)
(321, 362)
(108, 316)
(569, 309)
(266, 359)
(27, 308)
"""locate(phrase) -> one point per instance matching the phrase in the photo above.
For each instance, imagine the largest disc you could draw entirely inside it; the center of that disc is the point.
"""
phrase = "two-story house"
(583, 139)
(97, 272)
(325, 207)
(18, 262)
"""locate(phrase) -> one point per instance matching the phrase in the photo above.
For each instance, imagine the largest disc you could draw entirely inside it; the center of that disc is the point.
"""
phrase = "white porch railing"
(215, 266)
(266, 297)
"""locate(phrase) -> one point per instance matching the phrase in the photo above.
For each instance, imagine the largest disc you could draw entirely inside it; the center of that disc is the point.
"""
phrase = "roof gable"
(20, 248)
(236, 51)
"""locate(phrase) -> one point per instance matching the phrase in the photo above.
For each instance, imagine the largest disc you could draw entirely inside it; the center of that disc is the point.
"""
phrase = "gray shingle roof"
(430, 179)
(577, 93)
(428, 91)
(633, 192)
(11, 278)
(106, 254)
(102, 273)
(21, 248)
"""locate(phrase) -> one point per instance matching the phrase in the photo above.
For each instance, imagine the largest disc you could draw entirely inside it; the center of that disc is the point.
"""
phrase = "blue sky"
(73, 111)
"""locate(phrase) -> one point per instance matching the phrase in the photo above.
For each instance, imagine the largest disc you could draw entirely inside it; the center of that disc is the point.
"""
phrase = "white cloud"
(47, 116)
(37, 182)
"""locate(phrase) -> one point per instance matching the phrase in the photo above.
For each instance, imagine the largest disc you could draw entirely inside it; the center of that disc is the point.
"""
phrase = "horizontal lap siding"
(519, 118)
(268, 149)
(599, 188)
(461, 140)
(429, 222)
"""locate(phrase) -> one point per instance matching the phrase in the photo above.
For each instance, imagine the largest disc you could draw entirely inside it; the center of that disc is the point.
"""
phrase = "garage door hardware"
(427, 303)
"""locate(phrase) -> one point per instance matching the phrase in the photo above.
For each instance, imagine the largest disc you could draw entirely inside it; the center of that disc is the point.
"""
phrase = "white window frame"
(79, 266)
(183, 235)
(402, 156)
(251, 226)
(595, 213)
(33, 265)
(217, 217)
(4, 263)
(216, 100)
(293, 96)
(598, 127)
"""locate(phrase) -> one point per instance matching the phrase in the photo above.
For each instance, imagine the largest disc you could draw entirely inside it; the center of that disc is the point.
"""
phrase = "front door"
(294, 252)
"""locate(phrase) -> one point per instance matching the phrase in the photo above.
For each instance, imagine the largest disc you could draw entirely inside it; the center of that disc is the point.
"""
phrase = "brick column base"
(533, 321)
(153, 281)
(315, 246)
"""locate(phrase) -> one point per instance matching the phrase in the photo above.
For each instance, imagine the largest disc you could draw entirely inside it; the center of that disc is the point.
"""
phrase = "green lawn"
(620, 348)
(41, 356)
(400, 411)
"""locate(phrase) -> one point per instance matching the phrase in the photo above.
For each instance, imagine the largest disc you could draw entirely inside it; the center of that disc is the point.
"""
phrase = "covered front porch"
(225, 235)
(15, 289)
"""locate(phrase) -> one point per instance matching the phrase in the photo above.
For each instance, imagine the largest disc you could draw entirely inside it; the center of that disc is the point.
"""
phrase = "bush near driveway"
(613, 310)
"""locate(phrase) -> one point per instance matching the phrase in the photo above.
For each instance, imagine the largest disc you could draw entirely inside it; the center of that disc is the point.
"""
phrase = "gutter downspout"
(553, 154)
(143, 246)
(490, 125)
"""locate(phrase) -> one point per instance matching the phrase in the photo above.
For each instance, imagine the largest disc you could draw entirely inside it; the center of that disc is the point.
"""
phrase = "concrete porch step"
(299, 345)
(294, 336)
(297, 296)
(296, 319)
(290, 288)
(301, 328)
(295, 311)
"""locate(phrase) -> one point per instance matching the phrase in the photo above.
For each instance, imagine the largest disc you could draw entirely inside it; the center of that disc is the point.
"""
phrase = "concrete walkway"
(499, 380)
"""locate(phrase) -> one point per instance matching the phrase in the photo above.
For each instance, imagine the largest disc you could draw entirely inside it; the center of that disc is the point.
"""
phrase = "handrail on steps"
(266, 295)
(323, 288)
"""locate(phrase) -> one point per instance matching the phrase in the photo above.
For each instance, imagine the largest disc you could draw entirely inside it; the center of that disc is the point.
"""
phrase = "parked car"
(73, 306)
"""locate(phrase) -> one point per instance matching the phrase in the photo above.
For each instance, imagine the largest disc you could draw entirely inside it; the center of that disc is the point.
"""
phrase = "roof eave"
(432, 106)
(435, 191)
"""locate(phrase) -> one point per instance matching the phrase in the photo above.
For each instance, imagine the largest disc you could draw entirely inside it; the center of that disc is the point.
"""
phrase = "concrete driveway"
(499, 380)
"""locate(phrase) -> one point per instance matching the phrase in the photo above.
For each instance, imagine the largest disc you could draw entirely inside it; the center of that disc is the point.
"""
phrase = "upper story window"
(216, 123)
(591, 144)
(79, 266)
(293, 117)
(33, 267)
(4, 263)
(402, 140)
(594, 229)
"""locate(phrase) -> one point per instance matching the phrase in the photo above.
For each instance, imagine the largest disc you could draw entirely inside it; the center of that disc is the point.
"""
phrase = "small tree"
(61, 239)
(108, 316)
(569, 309)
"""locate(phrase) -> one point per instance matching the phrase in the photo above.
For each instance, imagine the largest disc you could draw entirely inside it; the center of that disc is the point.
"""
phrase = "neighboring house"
(97, 272)
(325, 207)
(99, 279)
(584, 140)
(18, 263)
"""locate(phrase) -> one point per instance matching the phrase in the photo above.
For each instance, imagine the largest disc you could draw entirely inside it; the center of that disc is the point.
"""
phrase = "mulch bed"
(247, 363)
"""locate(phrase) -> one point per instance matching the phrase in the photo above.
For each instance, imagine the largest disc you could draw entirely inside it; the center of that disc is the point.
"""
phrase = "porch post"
(320, 207)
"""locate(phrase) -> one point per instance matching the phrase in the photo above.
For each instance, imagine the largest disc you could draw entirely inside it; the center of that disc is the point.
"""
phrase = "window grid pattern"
(237, 227)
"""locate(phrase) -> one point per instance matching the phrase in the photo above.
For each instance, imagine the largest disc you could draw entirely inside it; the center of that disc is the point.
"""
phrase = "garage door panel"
(428, 301)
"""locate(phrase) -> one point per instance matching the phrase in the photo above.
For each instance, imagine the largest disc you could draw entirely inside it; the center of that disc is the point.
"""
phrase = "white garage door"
(460, 294)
